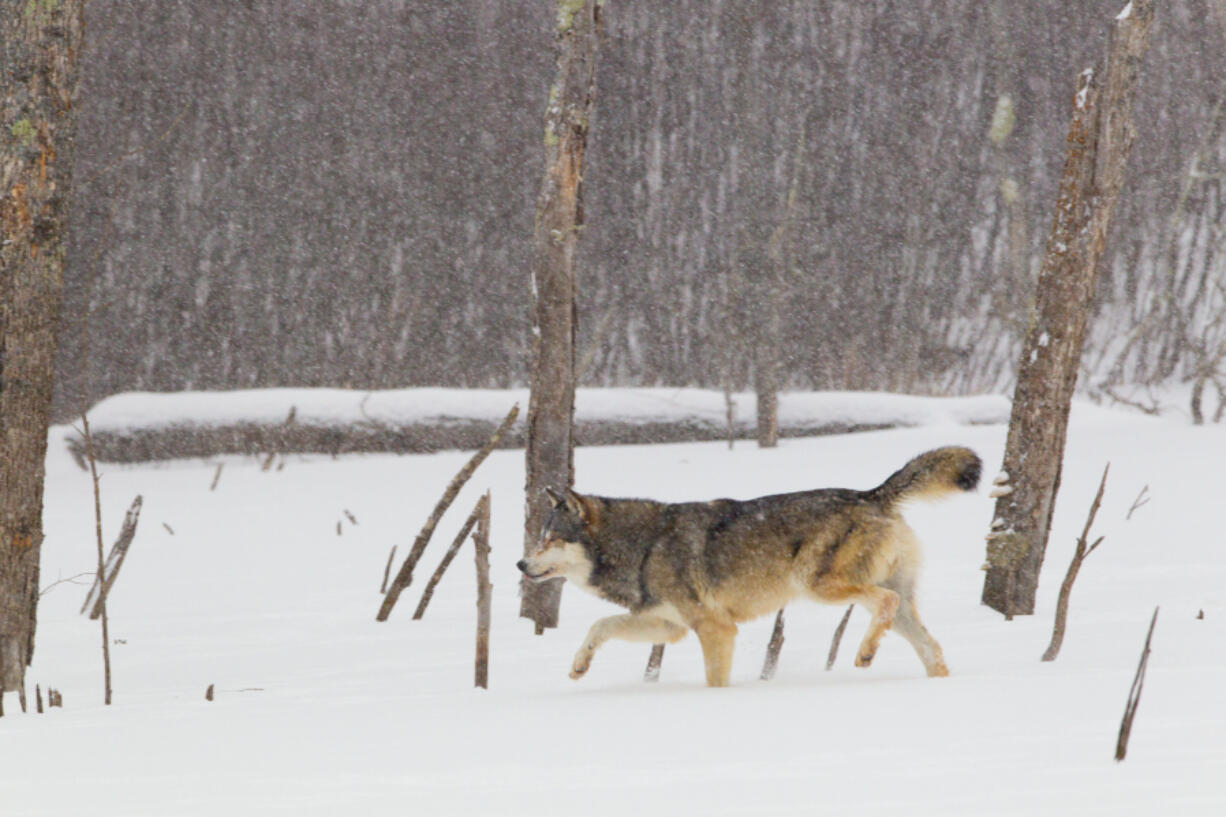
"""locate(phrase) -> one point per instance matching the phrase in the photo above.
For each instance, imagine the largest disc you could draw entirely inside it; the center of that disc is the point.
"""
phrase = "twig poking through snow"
(1134, 694)
(481, 546)
(405, 575)
(1138, 502)
(478, 510)
(652, 673)
(387, 570)
(838, 638)
(114, 560)
(1066, 587)
(773, 648)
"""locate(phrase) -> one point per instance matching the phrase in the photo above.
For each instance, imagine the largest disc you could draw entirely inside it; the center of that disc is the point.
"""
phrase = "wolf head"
(562, 550)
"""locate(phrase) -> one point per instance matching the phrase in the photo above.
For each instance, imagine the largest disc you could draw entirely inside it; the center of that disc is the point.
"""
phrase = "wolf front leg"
(627, 627)
(718, 639)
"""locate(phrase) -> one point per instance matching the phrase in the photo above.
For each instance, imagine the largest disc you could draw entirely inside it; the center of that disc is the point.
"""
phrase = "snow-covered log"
(142, 427)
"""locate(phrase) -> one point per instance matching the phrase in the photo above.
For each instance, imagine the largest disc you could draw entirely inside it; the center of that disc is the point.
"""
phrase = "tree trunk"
(1099, 139)
(559, 220)
(768, 360)
(41, 44)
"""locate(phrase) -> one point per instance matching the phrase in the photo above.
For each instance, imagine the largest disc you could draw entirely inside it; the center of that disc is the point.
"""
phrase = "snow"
(1126, 12)
(1082, 95)
(320, 710)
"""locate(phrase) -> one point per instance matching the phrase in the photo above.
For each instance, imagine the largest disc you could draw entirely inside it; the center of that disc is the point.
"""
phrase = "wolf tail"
(931, 475)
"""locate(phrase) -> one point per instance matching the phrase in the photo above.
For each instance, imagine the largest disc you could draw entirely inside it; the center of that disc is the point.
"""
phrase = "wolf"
(707, 566)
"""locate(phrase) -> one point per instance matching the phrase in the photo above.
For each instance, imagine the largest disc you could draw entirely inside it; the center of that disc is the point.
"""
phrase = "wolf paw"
(864, 659)
(580, 667)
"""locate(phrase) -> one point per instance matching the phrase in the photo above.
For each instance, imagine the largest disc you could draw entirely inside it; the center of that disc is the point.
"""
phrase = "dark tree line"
(341, 193)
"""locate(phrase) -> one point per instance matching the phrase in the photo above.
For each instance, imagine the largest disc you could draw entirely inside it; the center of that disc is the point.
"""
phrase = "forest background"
(276, 193)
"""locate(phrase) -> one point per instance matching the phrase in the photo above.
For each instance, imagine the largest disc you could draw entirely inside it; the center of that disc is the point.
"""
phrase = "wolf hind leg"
(627, 627)
(907, 624)
(882, 602)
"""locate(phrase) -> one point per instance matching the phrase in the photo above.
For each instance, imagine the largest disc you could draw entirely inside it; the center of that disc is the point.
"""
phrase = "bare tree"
(41, 44)
(1099, 141)
(559, 221)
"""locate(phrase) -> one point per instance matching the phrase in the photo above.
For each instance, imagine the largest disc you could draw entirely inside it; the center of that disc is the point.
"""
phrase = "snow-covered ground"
(321, 710)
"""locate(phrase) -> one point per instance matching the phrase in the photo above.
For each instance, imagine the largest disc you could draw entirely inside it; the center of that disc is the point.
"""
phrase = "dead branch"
(405, 574)
(428, 593)
(1134, 694)
(69, 580)
(1066, 588)
(387, 570)
(114, 560)
(100, 578)
(1138, 502)
(208, 693)
(38, 698)
(773, 648)
(481, 544)
(216, 476)
(838, 637)
(1153, 409)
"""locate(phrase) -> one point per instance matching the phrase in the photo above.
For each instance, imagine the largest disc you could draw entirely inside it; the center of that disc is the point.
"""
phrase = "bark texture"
(559, 221)
(40, 41)
(1099, 139)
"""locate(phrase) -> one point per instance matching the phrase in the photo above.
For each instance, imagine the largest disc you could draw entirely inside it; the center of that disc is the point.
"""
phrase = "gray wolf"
(706, 566)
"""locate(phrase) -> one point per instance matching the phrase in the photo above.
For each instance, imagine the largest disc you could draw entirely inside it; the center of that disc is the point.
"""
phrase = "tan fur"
(708, 566)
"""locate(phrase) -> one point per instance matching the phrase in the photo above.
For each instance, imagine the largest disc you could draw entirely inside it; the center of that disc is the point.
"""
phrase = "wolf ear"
(582, 506)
